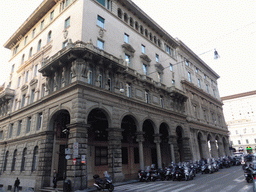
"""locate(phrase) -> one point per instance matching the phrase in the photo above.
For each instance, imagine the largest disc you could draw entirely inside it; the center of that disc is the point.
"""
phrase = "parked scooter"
(250, 172)
(144, 175)
(178, 173)
(105, 183)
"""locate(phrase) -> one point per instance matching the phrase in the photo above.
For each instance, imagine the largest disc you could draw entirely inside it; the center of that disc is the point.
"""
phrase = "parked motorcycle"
(105, 183)
(250, 172)
(144, 175)
(178, 173)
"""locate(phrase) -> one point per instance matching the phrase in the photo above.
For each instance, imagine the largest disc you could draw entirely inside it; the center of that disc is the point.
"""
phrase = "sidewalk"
(115, 184)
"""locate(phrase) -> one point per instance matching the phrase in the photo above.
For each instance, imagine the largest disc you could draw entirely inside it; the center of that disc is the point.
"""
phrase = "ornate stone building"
(101, 78)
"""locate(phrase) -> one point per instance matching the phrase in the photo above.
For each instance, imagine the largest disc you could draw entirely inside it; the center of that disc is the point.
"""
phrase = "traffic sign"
(67, 157)
(83, 159)
(75, 150)
(74, 161)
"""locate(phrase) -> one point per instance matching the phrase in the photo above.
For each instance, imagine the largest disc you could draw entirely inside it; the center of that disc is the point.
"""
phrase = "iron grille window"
(101, 156)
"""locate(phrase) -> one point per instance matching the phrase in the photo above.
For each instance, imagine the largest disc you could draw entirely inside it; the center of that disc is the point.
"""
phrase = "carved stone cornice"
(145, 58)
(24, 87)
(33, 81)
(6, 95)
(128, 48)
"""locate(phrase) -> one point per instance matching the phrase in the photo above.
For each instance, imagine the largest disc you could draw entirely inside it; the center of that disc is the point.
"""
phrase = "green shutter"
(102, 2)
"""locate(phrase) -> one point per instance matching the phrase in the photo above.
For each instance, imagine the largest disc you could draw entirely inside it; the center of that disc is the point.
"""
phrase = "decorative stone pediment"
(145, 58)
(24, 87)
(128, 48)
(33, 81)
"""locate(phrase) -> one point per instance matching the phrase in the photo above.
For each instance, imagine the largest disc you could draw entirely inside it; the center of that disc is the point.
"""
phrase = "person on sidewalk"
(54, 179)
(16, 185)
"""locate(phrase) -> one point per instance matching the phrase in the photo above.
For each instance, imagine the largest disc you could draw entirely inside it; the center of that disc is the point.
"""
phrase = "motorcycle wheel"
(111, 187)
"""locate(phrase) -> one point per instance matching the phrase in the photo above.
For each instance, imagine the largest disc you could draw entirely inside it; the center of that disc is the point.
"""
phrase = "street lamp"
(66, 132)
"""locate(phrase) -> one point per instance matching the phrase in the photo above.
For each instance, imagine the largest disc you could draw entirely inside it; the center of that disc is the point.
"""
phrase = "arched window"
(146, 33)
(14, 160)
(23, 161)
(22, 58)
(151, 37)
(159, 42)
(141, 30)
(155, 41)
(35, 157)
(49, 37)
(39, 45)
(119, 12)
(131, 22)
(30, 52)
(125, 18)
(136, 25)
(6, 160)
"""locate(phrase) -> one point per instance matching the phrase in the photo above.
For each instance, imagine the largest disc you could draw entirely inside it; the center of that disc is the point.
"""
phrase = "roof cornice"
(36, 16)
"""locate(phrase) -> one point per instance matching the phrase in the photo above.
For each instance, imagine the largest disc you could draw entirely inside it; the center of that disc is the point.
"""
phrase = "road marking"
(169, 188)
(239, 179)
(218, 178)
(246, 188)
(228, 188)
(183, 188)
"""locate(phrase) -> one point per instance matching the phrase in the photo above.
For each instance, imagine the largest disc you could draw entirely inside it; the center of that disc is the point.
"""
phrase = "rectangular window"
(136, 155)
(199, 83)
(35, 70)
(145, 69)
(204, 76)
(126, 38)
(32, 96)
(124, 155)
(171, 67)
(207, 88)
(100, 80)
(247, 141)
(28, 124)
(109, 5)
(101, 156)
(189, 77)
(157, 58)
(23, 99)
(254, 140)
(15, 50)
(13, 66)
(90, 77)
(67, 23)
(213, 90)
(40, 121)
(146, 96)
(159, 75)
(43, 90)
(42, 25)
(33, 32)
(143, 49)
(10, 131)
(239, 142)
(52, 15)
(26, 78)
(100, 44)
(1, 135)
(25, 40)
(237, 132)
(196, 70)
(162, 101)
(19, 127)
(173, 82)
(100, 22)
(128, 90)
(127, 60)
(102, 2)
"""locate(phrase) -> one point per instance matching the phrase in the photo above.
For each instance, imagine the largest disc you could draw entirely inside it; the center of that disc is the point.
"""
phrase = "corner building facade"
(102, 74)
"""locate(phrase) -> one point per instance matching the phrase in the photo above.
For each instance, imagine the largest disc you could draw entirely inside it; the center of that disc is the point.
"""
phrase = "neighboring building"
(239, 111)
(102, 74)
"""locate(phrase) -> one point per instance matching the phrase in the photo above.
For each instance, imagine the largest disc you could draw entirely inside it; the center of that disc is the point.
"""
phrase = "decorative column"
(186, 149)
(140, 140)
(214, 149)
(157, 141)
(171, 142)
(78, 173)
(205, 150)
(115, 153)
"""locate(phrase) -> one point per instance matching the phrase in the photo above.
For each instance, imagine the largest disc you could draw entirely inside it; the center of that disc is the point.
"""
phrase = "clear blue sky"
(228, 26)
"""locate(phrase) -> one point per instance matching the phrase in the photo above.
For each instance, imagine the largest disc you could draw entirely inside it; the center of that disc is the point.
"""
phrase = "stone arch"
(200, 144)
(54, 114)
(217, 145)
(104, 110)
(166, 155)
(225, 145)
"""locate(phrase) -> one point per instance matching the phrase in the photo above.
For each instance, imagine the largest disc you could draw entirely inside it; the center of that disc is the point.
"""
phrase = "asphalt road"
(225, 180)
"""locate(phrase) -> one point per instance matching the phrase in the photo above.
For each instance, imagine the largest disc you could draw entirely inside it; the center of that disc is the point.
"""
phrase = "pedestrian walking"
(16, 185)
(54, 178)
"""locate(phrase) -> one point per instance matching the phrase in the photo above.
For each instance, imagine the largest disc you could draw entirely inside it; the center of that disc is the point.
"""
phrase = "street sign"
(74, 161)
(83, 159)
(68, 151)
(75, 150)
(67, 157)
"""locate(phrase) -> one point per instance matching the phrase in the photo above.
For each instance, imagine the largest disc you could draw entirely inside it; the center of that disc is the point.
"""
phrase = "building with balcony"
(239, 111)
(101, 78)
